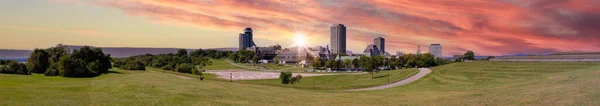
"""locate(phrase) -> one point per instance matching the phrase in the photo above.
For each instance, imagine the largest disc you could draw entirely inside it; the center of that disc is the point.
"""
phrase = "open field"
(222, 65)
(346, 81)
(467, 83)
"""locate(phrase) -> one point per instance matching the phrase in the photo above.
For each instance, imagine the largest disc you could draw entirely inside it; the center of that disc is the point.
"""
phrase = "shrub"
(133, 65)
(295, 79)
(4, 69)
(185, 68)
(285, 77)
(52, 70)
(195, 71)
(167, 67)
(14, 67)
(118, 63)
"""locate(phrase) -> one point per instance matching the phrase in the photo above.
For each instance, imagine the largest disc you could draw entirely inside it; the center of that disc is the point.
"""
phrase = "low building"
(303, 55)
(371, 50)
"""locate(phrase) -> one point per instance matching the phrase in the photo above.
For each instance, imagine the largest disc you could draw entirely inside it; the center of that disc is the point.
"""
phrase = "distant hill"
(11, 53)
(118, 52)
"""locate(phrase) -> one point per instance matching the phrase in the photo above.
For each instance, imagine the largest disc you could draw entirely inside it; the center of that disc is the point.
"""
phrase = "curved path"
(422, 73)
(251, 68)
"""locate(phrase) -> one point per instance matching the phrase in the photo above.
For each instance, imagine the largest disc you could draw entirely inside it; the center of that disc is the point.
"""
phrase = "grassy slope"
(475, 83)
(346, 81)
(222, 65)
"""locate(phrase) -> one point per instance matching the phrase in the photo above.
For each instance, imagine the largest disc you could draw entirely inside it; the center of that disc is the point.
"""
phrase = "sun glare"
(299, 39)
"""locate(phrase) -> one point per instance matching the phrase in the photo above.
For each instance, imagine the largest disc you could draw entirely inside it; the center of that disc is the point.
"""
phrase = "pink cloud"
(487, 27)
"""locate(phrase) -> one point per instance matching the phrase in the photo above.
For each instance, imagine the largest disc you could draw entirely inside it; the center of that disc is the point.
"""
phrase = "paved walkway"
(422, 72)
(251, 68)
(250, 75)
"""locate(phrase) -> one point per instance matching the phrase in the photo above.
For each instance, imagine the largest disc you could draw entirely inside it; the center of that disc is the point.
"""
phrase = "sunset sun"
(300, 39)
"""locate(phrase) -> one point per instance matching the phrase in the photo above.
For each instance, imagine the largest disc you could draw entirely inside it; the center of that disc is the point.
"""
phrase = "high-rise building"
(418, 50)
(338, 38)
(380, 43)
(436, 50)
(246, 39)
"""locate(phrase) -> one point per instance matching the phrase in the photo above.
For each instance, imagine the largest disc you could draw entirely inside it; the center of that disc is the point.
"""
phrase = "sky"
(486, 27)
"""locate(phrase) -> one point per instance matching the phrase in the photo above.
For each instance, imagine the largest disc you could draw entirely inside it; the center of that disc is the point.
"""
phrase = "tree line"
(182, 61)
(60, 61)
(376, 63)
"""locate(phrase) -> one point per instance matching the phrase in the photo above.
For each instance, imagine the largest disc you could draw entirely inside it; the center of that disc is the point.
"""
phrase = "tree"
(72, 67)
(201, 61)
(368, 64)
(329, 64)
(470, 55)
(14, 67)
(285, 77)
(276, 60)
(347, 63)
(295, 79)
(356, 63)
(55, 54)
(89, 55)
(441, 61)
(38, 61)
(242, 56)
(426, 60)
(317, 62)
(255, 59)
(337, 64)
(181, 52)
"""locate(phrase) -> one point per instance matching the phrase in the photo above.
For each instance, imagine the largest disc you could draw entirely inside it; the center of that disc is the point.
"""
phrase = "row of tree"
(14, 67)
(178, 62)
(376, 63)
(408, 60)
(60, 61)
(244, 56)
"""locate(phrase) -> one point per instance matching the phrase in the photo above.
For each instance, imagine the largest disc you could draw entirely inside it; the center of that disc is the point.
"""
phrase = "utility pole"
(313, 85)
(388, 78)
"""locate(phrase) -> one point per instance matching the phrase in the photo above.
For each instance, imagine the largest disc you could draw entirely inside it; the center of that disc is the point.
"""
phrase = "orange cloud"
(487, 27)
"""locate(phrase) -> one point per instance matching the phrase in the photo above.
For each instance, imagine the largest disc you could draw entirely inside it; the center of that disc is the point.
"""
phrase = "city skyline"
(486, 27)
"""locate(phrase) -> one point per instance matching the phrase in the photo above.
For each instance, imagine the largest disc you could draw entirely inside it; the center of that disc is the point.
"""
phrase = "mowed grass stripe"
(563, 84)
(339, 82)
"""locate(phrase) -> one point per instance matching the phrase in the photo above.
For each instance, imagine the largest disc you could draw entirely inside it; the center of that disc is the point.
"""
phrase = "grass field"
(468, 83)
(345, 81)
(222, 65)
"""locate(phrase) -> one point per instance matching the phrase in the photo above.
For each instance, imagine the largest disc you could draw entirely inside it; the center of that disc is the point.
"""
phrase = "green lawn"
(222, 65)
(468, 83)
(345, 81)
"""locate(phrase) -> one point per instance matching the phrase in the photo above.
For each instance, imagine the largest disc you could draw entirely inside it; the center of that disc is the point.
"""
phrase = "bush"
(118, 63)
(52, 70)
(133, 65)
(285, 77)
(167, 67)
(185, 68)
(3, 69)
(14, 67)
(196, 72)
